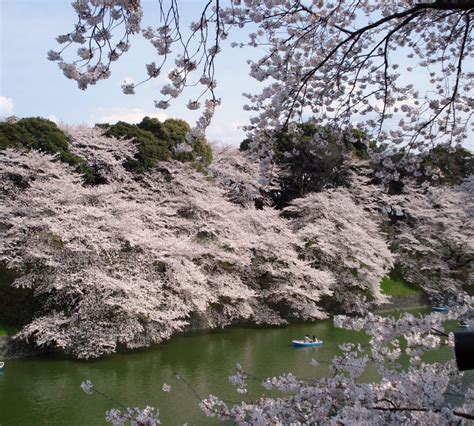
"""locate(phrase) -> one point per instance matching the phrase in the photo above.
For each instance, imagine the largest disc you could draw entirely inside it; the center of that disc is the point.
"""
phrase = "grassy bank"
(7, 330)
(395, 285)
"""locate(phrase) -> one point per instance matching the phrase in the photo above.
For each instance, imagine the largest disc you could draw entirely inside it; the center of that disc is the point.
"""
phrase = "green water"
(45, 391)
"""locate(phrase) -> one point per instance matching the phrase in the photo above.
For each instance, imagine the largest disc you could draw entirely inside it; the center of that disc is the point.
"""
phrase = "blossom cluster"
(331, 60)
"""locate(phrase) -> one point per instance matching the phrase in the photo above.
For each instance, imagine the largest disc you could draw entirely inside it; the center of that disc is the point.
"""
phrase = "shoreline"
(404, 302)
(396, 304)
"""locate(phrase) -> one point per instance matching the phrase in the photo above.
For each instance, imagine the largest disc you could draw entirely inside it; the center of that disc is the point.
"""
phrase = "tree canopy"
(398, 69)
(150, 252)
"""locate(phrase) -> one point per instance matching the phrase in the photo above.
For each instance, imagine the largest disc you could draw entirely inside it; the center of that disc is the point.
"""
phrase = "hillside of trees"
(120, 236)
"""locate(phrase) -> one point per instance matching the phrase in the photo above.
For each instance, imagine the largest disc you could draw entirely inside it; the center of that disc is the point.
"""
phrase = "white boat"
(1, 364)
(305, 344)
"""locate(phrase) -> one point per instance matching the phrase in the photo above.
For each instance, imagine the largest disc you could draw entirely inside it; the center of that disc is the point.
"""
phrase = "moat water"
(46, 390)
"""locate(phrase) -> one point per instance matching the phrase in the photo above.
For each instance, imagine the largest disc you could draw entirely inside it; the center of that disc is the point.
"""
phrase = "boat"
(439, 308)
(463, 324)
(303, 344)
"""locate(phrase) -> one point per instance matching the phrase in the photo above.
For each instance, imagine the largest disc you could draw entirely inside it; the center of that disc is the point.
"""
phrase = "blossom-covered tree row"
(132, 261)
(140, 256)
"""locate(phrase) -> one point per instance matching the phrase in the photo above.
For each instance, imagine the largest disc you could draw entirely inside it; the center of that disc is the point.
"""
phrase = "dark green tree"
(442, 165)
(44, 135)
(161, 141)
(151, 148)
(313, 158)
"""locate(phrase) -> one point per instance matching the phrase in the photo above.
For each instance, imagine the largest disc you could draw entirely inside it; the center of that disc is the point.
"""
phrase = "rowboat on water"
(440, 309)
(303, 344)
(463, 324)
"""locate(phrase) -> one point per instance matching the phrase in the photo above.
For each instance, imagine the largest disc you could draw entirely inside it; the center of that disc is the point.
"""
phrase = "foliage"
(245, 145)
(7, 330)
(175, 131)
(158, 141)
(185, 148)
(153, 125)
(441, 165)
(36, 133)
(394, 285)
(150, 148)
(18, 306)
(454, 164)
(312, 158)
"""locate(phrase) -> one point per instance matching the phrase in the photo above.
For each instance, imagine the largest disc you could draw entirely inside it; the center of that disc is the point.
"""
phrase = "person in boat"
(306, 339)
(462, 322)
(314, 339)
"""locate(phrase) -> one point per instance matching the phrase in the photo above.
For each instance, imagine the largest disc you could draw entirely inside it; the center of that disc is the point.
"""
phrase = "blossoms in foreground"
(335, 60)
(87, 387)
(421, 393)
(418, 394)
(147, 416)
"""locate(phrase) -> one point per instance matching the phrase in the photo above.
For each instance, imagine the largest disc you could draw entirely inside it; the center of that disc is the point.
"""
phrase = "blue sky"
(30, 85)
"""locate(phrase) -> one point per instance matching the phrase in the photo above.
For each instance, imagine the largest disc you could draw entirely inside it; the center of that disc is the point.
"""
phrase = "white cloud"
(6, 105)
(131, 115)
(53, 118)
(227, 133)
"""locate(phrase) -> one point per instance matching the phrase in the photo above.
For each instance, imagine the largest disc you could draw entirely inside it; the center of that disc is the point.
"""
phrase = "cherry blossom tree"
(434, 239)
(132, 261)
(239, 176)
(429, 230)
(330, 223)
(341, 62)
